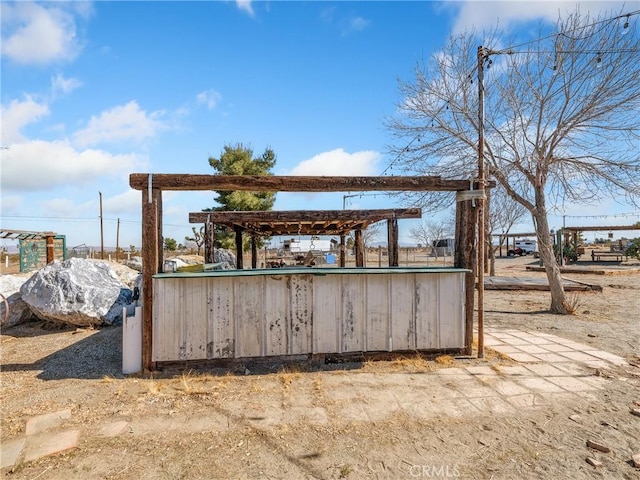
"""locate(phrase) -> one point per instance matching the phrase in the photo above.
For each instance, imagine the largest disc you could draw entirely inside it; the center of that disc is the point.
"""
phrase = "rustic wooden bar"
(152, 186)
(259, 313)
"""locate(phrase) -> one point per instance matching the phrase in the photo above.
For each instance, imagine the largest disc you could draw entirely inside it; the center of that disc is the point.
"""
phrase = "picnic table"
(604, 255)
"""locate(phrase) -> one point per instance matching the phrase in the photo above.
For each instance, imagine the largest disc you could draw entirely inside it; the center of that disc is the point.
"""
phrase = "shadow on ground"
(94, 357)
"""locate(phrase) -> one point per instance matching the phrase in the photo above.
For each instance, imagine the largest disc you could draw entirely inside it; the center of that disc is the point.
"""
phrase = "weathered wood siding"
(290, 313)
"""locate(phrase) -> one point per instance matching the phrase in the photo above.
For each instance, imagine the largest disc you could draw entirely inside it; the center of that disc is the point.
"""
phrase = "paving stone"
(519, 333)
(45, 422)
(556, 347)
(460, 407)
(545, 370)
(50, 443)
(503, 336)
(610, 357)
(548, 336)
(452, 371)
(574, 368)
(515, 370)
(551, 357)
(477, 390)
(580, 347)
(578, 356)
(113, 429)
(10, 451)
(571, 384)
(509, 388)
(490, 342)
(516, 341)
(532, 349)
(526, 400)
(595, 364)
(523, 357)
(481, 370)
(492, 404)
(537, 340)
(506, 349)
(538, 384)
(597, 382)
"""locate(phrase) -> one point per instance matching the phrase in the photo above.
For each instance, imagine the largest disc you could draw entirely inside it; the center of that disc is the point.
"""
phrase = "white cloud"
(358, 24)
(33, 34)
(340, 163)
(121, 123)
(62, 85)
(245, 5)
(19, 114)
(127, 202)
(40, 165)
(210, 98)
(480, 14)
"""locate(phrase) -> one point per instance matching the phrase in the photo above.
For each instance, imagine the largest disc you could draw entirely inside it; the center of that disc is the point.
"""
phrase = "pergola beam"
(267, 183)
(602, 228)
(299, 216)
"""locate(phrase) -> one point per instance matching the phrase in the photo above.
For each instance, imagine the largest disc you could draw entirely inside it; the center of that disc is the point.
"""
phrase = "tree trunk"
(492, 261)
(545, 248)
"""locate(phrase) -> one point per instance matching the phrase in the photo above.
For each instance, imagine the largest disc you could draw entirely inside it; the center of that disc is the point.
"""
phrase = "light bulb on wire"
(625, 26)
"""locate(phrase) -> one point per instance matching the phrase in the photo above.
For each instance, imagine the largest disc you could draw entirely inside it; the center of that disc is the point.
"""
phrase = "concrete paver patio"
(550, 369)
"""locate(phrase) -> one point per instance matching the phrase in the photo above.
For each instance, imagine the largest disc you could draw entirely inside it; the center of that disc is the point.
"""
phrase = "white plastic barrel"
(131, 339)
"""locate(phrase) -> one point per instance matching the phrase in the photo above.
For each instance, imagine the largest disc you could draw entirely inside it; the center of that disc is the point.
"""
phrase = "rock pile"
(76, 292)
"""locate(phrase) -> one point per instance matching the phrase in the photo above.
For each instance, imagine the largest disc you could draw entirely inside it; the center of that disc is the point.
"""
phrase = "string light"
(625, 26)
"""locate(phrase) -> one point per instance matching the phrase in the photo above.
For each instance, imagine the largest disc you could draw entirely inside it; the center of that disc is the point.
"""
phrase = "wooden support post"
(379, 256)
(254, 252)
(157, 199)
(239, 263)
(149, 269)
(392, 241)
(343, 251)
(359, 245)
(466, 257)
(208, 242)
(50, 246)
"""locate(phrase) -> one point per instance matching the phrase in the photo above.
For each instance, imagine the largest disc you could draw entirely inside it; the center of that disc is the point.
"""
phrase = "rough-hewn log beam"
(359, 247)
(264, 183)
(149, 269)
(465, 256)
(392, 242)
(294, 216)
(239, 263)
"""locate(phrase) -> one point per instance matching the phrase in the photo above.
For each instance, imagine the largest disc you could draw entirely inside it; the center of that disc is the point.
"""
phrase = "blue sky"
(92, 92)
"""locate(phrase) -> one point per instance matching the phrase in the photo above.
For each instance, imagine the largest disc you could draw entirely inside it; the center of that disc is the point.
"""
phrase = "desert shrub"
(633, 250)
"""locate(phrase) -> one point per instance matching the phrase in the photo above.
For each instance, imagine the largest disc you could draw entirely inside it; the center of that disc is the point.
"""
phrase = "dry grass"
(572, 303)
(414, 363)
(287, 374)
(445, 360)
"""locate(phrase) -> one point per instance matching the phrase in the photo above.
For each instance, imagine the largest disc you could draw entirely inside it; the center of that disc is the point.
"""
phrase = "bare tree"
(561, 119)
(198, 237)
(429, 232)
(504, 213)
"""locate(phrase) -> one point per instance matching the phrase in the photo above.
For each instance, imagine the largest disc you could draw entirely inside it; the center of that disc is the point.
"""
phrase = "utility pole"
(101, 230)
(118, 239)
(482, 54)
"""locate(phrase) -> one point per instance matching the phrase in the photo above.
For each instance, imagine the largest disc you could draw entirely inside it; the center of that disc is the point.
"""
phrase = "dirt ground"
(186, 425)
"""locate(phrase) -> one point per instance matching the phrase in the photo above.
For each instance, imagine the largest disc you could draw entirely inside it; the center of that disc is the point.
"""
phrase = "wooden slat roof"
(303, 222)
(23, 234)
